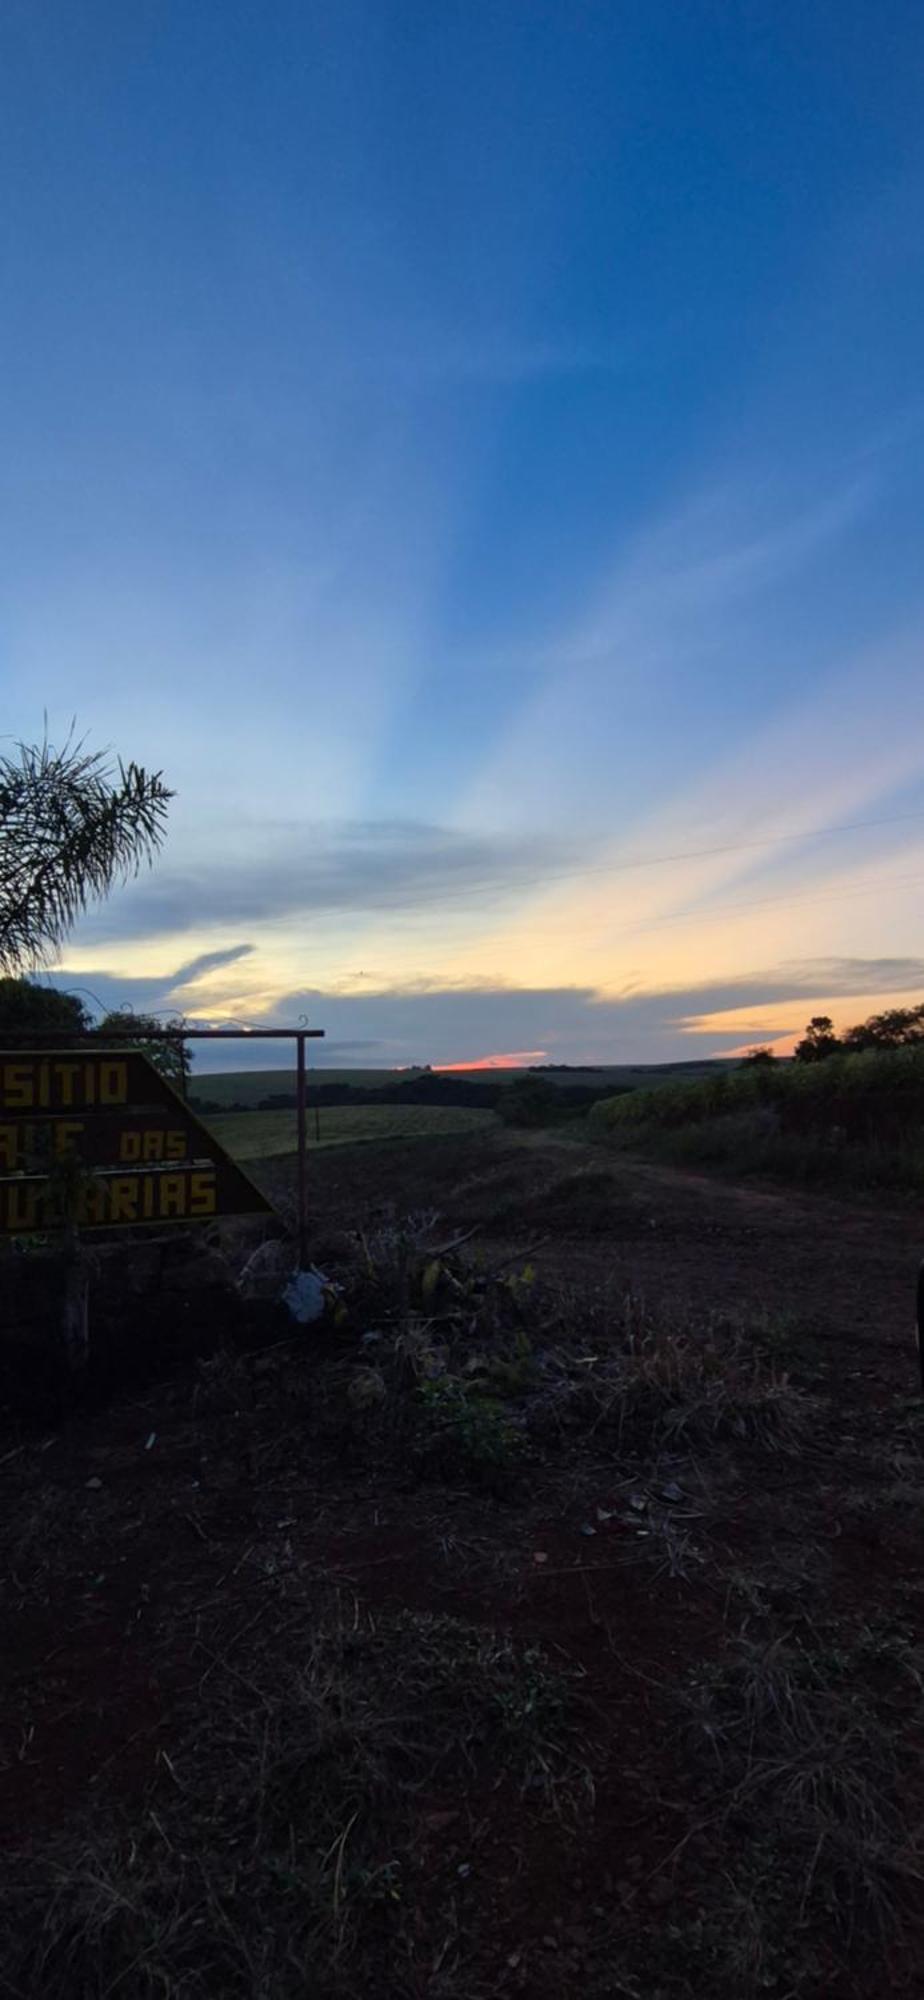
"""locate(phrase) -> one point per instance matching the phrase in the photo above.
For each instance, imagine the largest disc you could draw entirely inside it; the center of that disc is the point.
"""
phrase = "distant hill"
(274, 1089)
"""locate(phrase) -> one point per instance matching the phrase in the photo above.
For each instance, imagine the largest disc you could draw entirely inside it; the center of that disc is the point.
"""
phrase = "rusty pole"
(302, 1159)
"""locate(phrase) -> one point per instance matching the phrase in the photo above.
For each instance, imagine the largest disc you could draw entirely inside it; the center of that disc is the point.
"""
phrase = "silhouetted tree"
(898, 1027)
(819, 1041)
(25, 1005)
(171, 1058)
(70, 829)
(757, 1058)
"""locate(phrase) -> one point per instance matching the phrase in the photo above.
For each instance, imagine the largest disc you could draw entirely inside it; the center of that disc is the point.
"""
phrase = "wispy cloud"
(673, 623)
(207, 963)
(357, 867)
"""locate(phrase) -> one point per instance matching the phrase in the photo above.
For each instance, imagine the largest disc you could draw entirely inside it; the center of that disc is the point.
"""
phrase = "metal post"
(302, 1160)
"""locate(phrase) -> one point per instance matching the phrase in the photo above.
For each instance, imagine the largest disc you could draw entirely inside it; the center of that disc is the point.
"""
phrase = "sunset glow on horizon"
(521, 1059)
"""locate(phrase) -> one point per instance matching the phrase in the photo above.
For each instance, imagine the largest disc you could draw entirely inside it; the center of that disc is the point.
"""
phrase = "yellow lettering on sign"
(66, 1133)
(9, 1147)
(173, 1194)
(203, 1195)
(151, 1146)
(93, 1202)
(65, 1073)
(22, 1206)
(113, 1083)
(17, 1086)
(123, 1198)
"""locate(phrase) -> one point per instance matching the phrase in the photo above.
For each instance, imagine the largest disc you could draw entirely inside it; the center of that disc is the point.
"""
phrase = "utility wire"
(718, 909)
(739, 846)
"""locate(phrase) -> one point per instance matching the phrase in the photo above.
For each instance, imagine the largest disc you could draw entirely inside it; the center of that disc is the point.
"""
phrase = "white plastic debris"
(266, 1271)
(304, 1295)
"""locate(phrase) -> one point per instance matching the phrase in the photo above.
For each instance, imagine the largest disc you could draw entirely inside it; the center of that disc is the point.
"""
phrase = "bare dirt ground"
(698, 1770)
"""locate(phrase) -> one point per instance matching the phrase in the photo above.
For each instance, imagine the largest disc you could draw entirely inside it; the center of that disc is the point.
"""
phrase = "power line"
(768, 902)
(718, 909)
(740, 846)
(579, 870)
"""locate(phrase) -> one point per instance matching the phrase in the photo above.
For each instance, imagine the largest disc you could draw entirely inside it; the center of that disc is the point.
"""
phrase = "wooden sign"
(104, 1139)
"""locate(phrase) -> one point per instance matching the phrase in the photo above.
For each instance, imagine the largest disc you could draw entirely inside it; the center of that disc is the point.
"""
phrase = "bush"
(680, 1387)
(529, 1101)
(469, 1433)
(852, 1117)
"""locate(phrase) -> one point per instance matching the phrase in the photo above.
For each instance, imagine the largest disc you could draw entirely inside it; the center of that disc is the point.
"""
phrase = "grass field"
(247, 1087)
(254, 1135)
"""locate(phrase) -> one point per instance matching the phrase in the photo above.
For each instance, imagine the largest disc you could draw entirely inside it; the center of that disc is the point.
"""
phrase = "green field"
(253, 1135)
(247, 1087)
(853, 1119)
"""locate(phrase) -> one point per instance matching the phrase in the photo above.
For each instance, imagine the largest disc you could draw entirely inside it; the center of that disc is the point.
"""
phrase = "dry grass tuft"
(657, 1384)
(811, 1777)
(277, 1850)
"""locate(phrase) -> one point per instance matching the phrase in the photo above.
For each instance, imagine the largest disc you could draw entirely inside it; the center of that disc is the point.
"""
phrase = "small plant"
(468, 1431)
(672, 1385)
(510, 1374)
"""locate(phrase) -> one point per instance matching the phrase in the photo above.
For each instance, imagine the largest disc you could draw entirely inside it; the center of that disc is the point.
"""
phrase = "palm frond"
(70, 829)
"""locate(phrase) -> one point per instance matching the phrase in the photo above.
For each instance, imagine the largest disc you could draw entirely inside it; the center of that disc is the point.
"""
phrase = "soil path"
(845, 1269)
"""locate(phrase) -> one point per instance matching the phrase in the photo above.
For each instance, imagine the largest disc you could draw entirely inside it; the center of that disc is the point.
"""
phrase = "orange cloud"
(520, 1059)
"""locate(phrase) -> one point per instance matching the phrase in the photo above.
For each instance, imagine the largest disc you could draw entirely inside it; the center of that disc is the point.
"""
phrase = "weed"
(809, 1773)
(275, 1853)
(675, 1385)
(468, 1432)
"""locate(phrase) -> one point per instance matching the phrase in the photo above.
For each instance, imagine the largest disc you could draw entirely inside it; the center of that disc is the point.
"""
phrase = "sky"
(474, 450)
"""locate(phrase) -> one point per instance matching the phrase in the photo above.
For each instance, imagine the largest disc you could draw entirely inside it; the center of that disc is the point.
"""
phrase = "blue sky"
(476, 451)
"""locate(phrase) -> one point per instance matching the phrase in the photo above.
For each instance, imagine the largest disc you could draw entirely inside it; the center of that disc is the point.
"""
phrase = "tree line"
(895, 1028)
